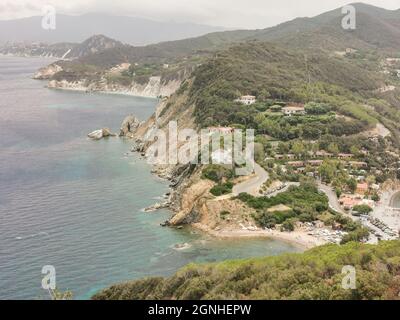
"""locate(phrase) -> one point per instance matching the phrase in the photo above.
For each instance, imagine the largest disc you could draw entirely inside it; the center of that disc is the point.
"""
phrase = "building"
(362, 188)
(350, 51)
(323, 154)
(358, 164)
(222, 130)
(349, 201)
(345, 155)
(315, 163)
(294, 110)
(247, 100)
(296, 164)
(279, 157)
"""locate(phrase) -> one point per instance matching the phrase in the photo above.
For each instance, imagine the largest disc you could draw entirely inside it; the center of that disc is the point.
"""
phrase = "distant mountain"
(92, 45)
(135, 31)
(376, 28)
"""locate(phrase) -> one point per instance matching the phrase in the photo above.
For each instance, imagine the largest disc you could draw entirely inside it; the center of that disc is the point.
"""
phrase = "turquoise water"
(76, 204)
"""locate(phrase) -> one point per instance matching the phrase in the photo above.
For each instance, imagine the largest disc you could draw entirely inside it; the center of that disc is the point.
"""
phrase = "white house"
(294, 110)
(247, 100)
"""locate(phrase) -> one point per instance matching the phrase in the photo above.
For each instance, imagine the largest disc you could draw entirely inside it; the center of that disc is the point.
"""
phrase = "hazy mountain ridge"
(92, 45)
(377, 29)
(75, 29)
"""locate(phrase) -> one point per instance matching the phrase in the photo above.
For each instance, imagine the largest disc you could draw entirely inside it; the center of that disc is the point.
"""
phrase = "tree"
(298, 148)
(327, 171)
(259, 153)
(352, 184)
(288, 225)
(375, 197)
(362, 209)
(354, 150)
(370, 180)
(283, 148)
(333, 148)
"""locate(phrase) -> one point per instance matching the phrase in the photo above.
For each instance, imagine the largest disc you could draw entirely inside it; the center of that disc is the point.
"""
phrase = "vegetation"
(217, 173)
(305, 201)
(362, 209)
(222, 189)
(277, 74)
(315, 274)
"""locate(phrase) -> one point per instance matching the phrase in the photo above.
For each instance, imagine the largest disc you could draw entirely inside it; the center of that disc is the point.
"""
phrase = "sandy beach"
(298, 238)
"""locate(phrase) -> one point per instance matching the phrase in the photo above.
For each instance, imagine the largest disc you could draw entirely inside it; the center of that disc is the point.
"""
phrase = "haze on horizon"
(250, 14)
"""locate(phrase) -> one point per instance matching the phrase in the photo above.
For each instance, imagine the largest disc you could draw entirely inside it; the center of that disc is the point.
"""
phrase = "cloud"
(228, 13)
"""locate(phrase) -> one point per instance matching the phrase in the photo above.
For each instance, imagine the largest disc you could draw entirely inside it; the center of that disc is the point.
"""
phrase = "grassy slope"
(315, 274)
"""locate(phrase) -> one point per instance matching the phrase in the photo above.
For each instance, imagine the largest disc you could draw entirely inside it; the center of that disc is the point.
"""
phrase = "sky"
(248, 14)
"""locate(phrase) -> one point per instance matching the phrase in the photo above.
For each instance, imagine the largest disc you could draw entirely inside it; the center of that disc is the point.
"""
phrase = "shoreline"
(298, 239)
(85, 90)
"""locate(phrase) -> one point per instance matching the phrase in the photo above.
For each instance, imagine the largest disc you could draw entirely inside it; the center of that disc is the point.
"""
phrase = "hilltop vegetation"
(315, 274)
(273, 74)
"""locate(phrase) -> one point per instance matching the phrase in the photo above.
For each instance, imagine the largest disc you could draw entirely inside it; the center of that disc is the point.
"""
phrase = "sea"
(77, 205)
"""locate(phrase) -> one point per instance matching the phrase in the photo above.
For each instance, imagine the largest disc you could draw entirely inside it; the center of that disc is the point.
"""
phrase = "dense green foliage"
(305, 201)
(222, 189)
(362, 209)
(274, 74)
(217, 173)
(315, 274)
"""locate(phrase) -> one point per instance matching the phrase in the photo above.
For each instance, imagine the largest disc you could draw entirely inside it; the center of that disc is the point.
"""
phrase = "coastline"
(299, 239)
(85, 90)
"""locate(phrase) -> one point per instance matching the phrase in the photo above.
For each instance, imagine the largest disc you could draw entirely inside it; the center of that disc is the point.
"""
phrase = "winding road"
(252, 185)
(333, 199)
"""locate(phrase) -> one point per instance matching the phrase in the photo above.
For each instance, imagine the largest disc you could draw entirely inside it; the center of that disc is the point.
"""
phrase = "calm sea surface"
(76, 204)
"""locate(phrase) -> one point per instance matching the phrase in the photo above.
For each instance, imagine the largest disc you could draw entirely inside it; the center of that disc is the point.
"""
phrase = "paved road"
(333, 199)
(252, 186)
(288, 185)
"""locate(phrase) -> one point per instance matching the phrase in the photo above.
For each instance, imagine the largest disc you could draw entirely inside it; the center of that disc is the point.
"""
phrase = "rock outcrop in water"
(100, 134)
(129, 126)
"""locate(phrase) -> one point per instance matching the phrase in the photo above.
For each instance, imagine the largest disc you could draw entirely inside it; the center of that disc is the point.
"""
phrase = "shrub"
(362, 209)
(222, 189)
(216, 173)
(288, 225)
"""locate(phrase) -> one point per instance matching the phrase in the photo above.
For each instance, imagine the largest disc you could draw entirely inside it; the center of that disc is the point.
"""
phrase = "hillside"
(316, 274)
(376, 37)
(376, 28)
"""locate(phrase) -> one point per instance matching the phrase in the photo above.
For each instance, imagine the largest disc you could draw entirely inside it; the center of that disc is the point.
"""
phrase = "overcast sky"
(226, 13)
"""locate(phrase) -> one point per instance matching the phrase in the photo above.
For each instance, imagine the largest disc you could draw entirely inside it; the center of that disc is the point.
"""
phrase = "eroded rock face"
(47, 72)
(129, 126)
(188, 198)
(100, 134)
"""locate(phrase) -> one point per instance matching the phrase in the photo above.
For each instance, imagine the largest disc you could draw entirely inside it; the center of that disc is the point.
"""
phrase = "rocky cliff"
(155, 87)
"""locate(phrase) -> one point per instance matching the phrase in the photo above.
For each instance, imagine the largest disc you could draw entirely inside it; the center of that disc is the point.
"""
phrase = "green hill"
(316, 274)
